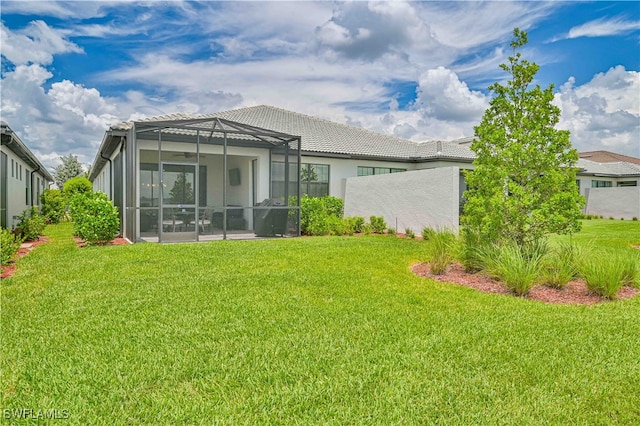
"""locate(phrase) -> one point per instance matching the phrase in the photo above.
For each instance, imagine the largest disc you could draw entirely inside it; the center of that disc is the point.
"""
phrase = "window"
(314, 179)
(628, 183)
(368, 171)
(601, 184)
(12, 169)
(21, 172)
(27, 187)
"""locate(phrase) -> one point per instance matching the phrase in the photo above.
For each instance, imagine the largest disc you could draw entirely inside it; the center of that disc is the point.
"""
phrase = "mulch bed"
(575, 292)
(25, 249)
(118, 241)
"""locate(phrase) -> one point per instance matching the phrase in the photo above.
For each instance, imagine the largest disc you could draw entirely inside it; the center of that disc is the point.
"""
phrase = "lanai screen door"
(179, 183)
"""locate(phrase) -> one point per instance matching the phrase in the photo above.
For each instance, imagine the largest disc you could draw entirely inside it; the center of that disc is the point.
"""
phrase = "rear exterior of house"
(179, 178)
(23, 178)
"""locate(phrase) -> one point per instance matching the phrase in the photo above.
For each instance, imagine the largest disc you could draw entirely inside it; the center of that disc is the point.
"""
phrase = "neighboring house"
(609, 157)
(22, 177)
(169, 174)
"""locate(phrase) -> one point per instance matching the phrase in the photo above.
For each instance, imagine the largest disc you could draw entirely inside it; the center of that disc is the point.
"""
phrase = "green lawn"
(307, 330)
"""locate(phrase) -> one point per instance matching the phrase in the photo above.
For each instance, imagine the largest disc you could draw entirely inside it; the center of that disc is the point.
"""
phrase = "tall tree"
(524, 182)
(69, 168)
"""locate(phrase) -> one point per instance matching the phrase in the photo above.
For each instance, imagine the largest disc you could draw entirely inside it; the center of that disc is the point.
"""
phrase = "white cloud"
(603, 27)
(603, 114)
(35, 44)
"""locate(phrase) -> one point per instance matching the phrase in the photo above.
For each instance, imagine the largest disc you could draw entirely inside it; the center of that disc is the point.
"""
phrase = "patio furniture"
(269, 221)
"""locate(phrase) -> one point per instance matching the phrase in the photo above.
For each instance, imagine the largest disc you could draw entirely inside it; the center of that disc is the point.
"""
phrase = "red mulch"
(25, 248)
(118, 241)
(574, 292)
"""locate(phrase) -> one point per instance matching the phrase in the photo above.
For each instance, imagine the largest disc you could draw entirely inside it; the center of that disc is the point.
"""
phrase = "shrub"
(357, 222)
(635, 219)
(366, 229)
(630, 264)
(30, 224)
(409, 233)
(54, 205)
(516, 267)
(603, 278)
(560, 266)
(427, 233)
(469, 249)
(95, 218)
(315, 214)
(77, 185)
(9, 245)
(391, 232)
(378, 225)
(440, 251)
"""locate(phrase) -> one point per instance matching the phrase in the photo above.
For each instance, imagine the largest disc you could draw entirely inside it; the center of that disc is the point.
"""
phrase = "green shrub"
(315, 214)
(9, 245)
(366, 229)
(516, 267)
(95, 218)
(603, 278)
(469, 250)
(54, 205)
(635, 219)
(357, 222)
(77, 185)
(391, 232)
(630, 263)
(441, 251)
(378, 225)
(30, 224)
(560, 266)
(427, 233)
(409, 233)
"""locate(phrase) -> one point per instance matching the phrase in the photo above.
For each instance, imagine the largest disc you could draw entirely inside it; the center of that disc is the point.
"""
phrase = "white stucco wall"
(18, 180)
(413, 199)
(614, 202)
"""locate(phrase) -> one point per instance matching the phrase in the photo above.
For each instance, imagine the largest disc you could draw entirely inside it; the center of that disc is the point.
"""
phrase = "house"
(235, 174)
(23, 178)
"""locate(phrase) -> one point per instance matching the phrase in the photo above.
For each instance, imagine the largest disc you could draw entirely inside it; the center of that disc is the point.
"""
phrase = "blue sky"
(418, 70)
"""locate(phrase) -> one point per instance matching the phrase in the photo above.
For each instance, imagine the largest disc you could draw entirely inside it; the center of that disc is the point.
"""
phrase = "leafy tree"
(182, 190)
(69, 168)
(77, 185)
(524, 182)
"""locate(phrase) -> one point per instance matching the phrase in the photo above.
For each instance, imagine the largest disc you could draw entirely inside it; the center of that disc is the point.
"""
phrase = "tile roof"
(324, 136)
(608, 157)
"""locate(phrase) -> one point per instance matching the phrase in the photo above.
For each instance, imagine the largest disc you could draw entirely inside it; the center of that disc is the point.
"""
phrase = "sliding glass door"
(178, 209)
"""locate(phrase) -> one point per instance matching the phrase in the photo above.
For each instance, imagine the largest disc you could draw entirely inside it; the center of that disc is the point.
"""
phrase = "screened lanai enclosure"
(209, 178)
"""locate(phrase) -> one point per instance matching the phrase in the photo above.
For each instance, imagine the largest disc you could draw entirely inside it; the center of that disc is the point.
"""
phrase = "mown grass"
(327, 330)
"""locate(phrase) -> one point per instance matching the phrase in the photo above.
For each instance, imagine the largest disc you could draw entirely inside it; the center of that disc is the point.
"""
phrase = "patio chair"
(171, 223)
(205, 219)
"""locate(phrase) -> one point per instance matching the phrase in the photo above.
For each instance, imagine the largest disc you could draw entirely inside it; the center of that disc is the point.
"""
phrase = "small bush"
(391, 232)
(630, 264)
(95, 218)
(77, 185)
(603, 278)
(560, 266)
(357, 222)
(54, 205)
(469, 249)
(316, 214)
(409, 233)
(516, 267)
(378, 225)
(611, 218)
(440, 251)
(427, 233)
(9, 245)
(30, 224)
(366, 229)
(635, 219)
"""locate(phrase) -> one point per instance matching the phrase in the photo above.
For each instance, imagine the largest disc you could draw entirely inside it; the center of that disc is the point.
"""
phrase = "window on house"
(21, 172)
(368, 171)
(314, 179)
(601, 184)
(27, 186)
(12, 169)
(628, 183)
